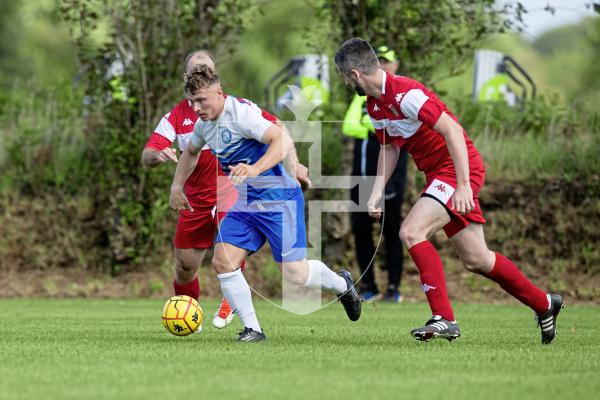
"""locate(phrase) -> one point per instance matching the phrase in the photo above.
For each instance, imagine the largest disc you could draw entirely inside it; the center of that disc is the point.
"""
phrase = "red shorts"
(197, 230)
(226, 197)
(441, 186)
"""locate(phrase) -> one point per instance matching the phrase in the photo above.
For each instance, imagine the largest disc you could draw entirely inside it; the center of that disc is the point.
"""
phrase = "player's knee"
(184, 266)
(409, 235)
(222, 265)
(185, 269)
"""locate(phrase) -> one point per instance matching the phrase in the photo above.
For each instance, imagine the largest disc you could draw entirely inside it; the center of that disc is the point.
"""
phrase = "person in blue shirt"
(270, 203)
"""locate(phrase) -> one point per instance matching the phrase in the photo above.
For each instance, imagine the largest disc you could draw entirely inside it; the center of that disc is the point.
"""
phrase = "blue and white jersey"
(235, 137)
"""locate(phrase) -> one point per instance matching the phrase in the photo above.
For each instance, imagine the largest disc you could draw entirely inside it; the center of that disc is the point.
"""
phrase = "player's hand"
(178, 201)
(240, 172)
(302, 175)
(166, 154)
(462, 200)
(372, 205)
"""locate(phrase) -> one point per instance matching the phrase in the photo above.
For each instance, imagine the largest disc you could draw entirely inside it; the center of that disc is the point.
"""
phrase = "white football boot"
(223, 316)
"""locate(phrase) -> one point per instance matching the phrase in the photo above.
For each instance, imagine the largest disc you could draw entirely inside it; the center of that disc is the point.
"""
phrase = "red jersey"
(405, 114)
(201, 186)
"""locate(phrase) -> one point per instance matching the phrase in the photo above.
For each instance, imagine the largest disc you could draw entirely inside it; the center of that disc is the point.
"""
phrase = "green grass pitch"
(110, 349)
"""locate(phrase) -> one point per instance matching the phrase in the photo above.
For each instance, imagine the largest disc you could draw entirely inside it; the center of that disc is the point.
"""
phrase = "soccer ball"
(182, 315)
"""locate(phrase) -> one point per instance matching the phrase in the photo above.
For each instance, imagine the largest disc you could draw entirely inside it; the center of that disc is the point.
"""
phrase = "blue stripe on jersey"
(273, 184)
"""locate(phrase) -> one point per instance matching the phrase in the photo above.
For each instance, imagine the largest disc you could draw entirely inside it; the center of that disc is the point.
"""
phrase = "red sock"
(506, 274)
(431, 271)
(191, 289)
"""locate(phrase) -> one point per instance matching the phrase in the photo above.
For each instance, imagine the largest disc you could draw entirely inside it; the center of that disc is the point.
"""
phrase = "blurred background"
(84, 83)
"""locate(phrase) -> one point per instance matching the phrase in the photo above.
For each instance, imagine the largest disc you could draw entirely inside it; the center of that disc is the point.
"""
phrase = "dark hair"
(356, 53)
(194, 54)
(200, 77)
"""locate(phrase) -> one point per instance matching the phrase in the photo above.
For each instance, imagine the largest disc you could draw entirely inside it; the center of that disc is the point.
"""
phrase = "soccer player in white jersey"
(270, 203)
(196, 230)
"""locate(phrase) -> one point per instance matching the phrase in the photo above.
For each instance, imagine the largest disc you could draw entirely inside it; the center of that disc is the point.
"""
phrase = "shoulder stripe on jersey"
(398, 127)
(412, 102)
(227, 151)
(165, 129)
(379, 123)
(247, 102)
(403, 127)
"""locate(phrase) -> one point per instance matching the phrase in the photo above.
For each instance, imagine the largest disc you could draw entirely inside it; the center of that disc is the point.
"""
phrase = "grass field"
(106, 349)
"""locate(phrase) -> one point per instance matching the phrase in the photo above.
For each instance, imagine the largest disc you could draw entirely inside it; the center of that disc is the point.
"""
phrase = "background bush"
(71, 132)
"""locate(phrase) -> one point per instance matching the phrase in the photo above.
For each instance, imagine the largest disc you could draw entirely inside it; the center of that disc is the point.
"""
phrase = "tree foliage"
(424, 33)
(591, 72)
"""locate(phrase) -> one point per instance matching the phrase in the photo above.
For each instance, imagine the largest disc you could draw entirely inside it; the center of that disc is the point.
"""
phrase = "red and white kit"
(196, 229)
(405, 115)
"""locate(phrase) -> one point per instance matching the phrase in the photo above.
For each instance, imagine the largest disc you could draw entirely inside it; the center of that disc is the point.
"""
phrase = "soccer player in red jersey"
(409, 116)
(196, 228)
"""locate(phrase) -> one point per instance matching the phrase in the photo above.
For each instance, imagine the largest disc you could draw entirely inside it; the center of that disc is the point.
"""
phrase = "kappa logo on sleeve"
(187, 122)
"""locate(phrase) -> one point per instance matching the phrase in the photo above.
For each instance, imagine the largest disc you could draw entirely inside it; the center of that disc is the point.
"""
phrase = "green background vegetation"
(74, 196)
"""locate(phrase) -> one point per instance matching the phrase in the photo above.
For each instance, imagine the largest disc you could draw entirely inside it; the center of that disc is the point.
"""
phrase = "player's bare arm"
(302, 172)
(291, 163)
(189, 158)
(280, 144)
(388, 157)
(462, 200)
(152, 157)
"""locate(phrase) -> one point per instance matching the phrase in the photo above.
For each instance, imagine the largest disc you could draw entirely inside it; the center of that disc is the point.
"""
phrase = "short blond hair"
(200, 77)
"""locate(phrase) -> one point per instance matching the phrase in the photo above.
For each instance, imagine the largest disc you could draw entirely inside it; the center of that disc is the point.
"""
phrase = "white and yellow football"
(182, 315)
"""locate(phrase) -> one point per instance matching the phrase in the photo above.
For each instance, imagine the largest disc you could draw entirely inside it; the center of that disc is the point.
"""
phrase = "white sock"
(320, 276)
(237, 292)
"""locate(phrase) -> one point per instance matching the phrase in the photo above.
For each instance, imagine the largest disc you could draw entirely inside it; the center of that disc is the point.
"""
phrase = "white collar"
(383, 82)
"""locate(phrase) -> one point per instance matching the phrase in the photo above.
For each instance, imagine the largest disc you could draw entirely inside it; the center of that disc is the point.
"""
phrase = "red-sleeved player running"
(196, 229)
(407, 115)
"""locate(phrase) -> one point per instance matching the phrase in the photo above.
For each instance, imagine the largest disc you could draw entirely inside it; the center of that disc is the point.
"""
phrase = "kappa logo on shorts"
(440, 190)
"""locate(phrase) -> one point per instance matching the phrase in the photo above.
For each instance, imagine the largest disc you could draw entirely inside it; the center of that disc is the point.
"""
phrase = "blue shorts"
(279, 222)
